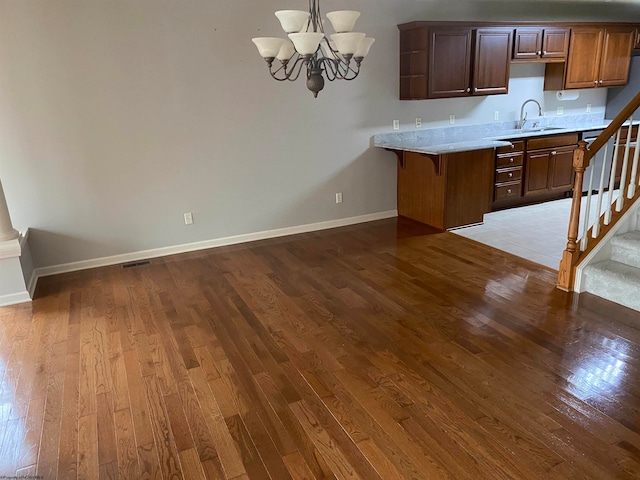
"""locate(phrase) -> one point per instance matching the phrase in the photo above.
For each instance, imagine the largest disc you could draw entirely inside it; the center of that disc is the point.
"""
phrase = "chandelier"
(336, 58)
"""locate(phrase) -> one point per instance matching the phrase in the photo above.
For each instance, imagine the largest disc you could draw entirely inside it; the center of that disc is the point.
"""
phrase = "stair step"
(614, 281)
(626, 248)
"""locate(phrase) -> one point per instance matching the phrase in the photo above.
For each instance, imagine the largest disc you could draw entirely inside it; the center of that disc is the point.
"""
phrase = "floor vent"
(136, 264)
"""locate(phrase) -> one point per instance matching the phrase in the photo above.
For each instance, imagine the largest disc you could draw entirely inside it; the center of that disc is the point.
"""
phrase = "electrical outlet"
(452, 119)
(188, 218)
(588, 108)
(396, 124)
(339, 197)
(560, 111)
(418, 122)
(496, 115)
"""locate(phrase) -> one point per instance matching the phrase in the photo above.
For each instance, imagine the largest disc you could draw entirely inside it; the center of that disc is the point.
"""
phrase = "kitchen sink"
(525, 131)
(540, 129)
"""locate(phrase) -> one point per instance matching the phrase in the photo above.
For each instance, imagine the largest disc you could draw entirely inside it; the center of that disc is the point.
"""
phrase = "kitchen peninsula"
(450, 177)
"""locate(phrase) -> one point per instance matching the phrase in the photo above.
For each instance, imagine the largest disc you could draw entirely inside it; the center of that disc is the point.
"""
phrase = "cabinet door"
(537, 172)
(527, 43)
(555, 43)
(561, 169)
(616, 57)
(583, 64)
(491, 61)
(450, 62)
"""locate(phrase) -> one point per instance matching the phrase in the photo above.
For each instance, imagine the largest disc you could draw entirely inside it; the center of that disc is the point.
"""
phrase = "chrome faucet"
(523, 115)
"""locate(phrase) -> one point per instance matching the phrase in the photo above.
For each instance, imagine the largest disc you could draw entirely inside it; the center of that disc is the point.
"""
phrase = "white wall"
(116, 117)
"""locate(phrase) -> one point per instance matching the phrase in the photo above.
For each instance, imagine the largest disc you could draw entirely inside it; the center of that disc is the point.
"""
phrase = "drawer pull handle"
(509, 190)
(510, 174)
(511, 160)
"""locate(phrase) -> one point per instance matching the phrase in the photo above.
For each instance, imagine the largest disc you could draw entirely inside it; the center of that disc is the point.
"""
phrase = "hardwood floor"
(380, 351)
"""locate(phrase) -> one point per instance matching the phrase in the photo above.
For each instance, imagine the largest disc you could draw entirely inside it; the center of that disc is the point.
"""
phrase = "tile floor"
(536, 232)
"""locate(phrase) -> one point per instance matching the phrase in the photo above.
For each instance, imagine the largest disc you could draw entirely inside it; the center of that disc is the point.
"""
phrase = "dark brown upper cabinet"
(414, 61)
(460, 59)
(598, 57)
(540, 44)
(449, 63)
(491, 61)
(446, 62)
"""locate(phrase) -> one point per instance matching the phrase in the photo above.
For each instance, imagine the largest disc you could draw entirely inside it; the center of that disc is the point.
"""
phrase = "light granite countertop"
(437, 141)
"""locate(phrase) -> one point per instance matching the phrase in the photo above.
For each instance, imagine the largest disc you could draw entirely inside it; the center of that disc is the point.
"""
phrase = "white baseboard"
(190, 247)
(14, 298)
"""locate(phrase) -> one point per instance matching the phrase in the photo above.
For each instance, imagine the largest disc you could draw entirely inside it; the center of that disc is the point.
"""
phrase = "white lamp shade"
(286, 51)
(347, 43)
(363, 48)
(268, 46)
(306, 43)
(343, 20)
(292, 20)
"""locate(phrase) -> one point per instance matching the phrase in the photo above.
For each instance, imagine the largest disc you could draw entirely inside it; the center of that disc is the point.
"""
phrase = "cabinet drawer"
(514, 160)
(507, 190)
(516, 146)
(508, 175)
(552, 141)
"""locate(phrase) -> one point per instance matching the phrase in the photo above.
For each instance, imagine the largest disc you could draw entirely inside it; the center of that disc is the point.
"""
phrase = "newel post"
(570, 254)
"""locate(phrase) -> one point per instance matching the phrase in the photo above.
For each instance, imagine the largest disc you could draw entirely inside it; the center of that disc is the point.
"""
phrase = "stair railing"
(589, 223)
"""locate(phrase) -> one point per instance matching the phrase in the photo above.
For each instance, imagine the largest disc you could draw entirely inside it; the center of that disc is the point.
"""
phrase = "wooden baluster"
(565, 272)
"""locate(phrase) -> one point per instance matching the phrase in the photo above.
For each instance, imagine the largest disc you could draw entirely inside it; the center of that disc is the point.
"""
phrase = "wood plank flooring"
(380, 351)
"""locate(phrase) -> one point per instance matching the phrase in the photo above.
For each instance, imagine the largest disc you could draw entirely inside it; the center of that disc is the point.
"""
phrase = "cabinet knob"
(554, 153)
(510, 174)
(475, 89)
(596, 82)
(511, 160)
(539, 52)
(544, 53)
(600, 82)
(509, 191)
(468, 90)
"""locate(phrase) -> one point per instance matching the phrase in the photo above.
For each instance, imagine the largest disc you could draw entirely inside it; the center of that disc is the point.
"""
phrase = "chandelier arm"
(329, 67)
(292, 74)
(343, 69)
(354, 72)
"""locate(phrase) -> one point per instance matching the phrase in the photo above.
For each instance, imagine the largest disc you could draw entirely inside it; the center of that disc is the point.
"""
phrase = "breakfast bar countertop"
(453, 139)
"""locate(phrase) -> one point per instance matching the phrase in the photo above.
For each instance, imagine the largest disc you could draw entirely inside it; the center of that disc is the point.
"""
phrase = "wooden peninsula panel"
(446, 191)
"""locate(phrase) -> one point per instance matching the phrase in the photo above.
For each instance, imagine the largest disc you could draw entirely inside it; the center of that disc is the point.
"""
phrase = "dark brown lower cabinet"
(534, 170)
(549, 170)
(445, 191)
